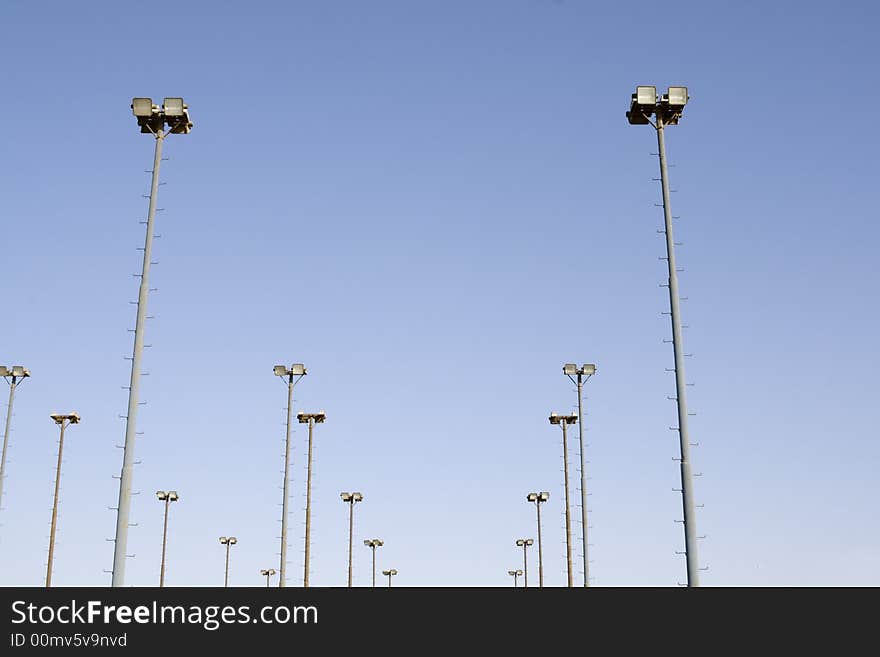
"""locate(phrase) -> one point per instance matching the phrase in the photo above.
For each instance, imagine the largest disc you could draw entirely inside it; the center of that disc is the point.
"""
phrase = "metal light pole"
(569, 369)
(311, 418)
(13, 376)
(293, 374)
(267, 573)
(152, 120)
(167, 497)
(373, 544)
(538, 499)
(62, 420)
(389, 574)
(228, 542)
(515, 574)
(564, 421)
(667, 111)
(525, 543)
(351, 499)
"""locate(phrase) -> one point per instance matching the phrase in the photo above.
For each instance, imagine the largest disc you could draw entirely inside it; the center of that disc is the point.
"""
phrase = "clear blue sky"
(434, 205)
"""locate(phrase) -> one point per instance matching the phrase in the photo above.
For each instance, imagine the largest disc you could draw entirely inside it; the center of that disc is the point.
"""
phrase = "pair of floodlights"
(153, 118)
(668, 107)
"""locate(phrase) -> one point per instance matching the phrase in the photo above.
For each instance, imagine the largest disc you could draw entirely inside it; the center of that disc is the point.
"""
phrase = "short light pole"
(13, 376)
(292, 375)
(152, 119)
(228, 542)
(311, 419)
(351, 499)
(514, 574)
(267, 573)
(63, 421)
(373, 544)
(667, 111)
(525, 544)
(389, 573)
(539, 499)
(168, 497)
(571, 370)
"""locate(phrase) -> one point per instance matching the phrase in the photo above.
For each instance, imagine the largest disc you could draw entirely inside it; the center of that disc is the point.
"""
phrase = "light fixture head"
(233, 540)
(532, 497)
(512, 572)
(4, 371)
(173, 107)
(298, 369)
(543, 496)
(570, 369)
(173, 496)
(143, 108)
(60, 418)
(676, 97)
(346, 497)
(357, 497)
(223, 540)
(20, 372)
(588, 369)
(280, 370)
(161, 494)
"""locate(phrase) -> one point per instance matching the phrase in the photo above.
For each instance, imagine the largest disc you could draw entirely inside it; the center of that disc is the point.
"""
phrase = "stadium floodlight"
(167, 497)
(228, 542)
(350, 499)
(63, 420)
(13, 376)
(525, 544)
(668, 112)
(539, 499)
(373, 544)
(293, 375)
(311, 419)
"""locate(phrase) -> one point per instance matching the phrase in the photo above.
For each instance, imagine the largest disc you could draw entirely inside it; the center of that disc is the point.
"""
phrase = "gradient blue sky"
(433, 205)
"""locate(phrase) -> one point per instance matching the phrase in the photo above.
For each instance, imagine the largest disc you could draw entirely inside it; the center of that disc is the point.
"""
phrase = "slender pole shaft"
(308, 505)
(6, 437)
(282, 568)
(540, 549)
(514, 580)
(164, 541)
(525, 566)
(567, 505)
(125, 479)
(580, 388)
(687, 496)
(389, 580)
(350, 532)
(226, 572)
(374, 566)
(267, 580)
(55, 510)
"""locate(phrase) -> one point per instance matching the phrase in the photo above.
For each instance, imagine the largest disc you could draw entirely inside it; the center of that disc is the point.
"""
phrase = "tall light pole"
(525, 543)
(228, 542)
(588, 370)
(389, 573)
(667, 111)
(13, 376)
(168, 497)
(539, 499)
(267, 573)
(564, 421)
(350, 499)
(63, 421)
(152, 120)
(514, 574)
(311, 418)
(292, 374)
(373, 544)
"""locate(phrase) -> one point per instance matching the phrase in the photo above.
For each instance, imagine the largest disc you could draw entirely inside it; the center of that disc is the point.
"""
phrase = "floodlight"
(143, 107)
(544, 496)
(345, 496)
(173, 107)
(173, 496)
(589, 369)
(677, 96)
(511, 572)
(645, 96)
(223, 540)
(280, 370)
(19, 371)
(4, 371)
(532, 497)
(233, 540)
(570, 369)
(298, 369)
(161, 494)
(357, 497)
